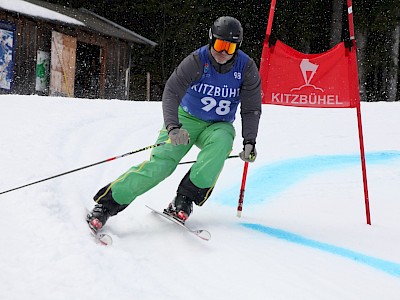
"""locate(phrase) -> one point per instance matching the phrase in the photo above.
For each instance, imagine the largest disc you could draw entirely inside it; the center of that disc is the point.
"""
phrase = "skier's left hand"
(249, 152)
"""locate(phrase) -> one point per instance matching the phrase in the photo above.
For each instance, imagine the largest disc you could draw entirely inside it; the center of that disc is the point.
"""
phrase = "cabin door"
(63, 60)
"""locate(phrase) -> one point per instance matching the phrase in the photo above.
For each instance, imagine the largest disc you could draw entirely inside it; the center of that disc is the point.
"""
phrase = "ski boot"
(180, 208)
(97, 218)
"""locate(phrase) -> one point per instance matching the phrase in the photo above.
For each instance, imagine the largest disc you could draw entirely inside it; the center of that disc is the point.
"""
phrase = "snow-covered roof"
(30, 9)
(74, 18)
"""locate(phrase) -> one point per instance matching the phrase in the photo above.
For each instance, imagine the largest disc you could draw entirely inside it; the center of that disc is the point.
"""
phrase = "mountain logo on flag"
(308, 69)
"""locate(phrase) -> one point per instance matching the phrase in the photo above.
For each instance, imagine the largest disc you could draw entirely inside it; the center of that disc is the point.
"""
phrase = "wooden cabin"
(48, 49)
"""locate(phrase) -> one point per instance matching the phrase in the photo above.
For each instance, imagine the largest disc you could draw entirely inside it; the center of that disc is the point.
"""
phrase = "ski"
(201, 233)
(101, 237)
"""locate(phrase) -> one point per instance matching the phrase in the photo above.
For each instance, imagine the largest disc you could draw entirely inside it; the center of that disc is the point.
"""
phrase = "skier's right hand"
(177, 135)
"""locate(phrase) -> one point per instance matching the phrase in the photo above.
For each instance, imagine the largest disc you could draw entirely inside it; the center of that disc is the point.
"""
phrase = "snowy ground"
(302, 235)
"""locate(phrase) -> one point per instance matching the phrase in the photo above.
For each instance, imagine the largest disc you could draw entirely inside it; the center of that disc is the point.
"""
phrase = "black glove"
(249, 152)
(177, 135)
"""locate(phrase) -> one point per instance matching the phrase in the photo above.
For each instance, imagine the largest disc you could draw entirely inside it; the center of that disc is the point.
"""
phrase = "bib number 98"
(210, 103)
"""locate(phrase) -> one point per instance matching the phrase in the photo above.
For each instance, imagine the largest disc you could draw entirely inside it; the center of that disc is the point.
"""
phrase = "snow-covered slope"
(302, 235)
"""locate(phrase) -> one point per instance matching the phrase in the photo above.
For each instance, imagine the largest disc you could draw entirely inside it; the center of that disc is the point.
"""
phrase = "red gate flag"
(327, 80)
(292, 78)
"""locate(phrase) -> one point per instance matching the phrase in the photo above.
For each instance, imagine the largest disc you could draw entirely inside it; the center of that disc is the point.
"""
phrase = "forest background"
(310, 26)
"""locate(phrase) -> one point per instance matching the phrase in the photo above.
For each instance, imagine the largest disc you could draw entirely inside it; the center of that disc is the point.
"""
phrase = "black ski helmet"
(228, 29)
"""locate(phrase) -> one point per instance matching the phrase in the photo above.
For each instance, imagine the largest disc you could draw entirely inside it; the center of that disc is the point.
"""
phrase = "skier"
(199, 103)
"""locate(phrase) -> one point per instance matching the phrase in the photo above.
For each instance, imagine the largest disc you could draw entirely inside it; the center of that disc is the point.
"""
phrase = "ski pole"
(241, 195)
(193, 161)
(88, 166)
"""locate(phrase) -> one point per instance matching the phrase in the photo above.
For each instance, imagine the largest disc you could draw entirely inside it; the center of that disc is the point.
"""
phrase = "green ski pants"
(215, 141)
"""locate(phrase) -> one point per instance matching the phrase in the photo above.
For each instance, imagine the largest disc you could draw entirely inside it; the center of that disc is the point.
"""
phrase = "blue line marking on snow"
(265, 182)
(388, 267)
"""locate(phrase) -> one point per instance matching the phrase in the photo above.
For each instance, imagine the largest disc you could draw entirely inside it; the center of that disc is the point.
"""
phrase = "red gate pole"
(363, 165)
(270, 20)
(360, 131)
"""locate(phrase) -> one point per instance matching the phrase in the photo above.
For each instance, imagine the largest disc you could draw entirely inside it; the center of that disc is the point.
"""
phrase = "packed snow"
(302, 235)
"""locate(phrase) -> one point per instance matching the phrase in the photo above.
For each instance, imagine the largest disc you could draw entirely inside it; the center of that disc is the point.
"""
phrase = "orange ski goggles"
(221, 45)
